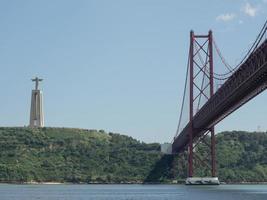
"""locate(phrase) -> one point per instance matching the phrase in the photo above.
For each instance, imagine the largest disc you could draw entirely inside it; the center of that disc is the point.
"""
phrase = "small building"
(166, 148)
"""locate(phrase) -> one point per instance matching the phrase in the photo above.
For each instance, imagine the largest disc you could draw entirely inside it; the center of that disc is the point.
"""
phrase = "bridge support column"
(191, 152)
(191, 106)
(213, 153)
(201, 87)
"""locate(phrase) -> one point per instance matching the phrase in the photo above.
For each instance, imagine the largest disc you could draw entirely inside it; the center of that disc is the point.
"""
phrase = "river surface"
(132, 192)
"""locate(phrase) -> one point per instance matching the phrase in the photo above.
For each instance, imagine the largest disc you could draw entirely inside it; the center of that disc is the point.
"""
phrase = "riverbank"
(124, 183)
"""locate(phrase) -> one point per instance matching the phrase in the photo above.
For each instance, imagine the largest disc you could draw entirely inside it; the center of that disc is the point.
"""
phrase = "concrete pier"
(202, 181)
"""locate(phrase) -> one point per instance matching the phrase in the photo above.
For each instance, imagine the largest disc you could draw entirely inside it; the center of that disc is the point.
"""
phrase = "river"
(132, 192)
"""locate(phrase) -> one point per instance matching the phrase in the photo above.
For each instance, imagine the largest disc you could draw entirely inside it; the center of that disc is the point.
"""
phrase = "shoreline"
(122, 183)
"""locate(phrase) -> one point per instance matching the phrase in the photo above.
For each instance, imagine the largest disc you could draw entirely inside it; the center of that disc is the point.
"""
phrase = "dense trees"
(73, 155)
(242, 156)
(76, 155)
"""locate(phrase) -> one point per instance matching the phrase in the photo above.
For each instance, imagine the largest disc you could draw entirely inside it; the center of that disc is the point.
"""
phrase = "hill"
(90, 156)
(73, 155)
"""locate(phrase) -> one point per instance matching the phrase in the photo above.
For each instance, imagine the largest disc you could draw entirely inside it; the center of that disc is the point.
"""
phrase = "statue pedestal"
(37, 115)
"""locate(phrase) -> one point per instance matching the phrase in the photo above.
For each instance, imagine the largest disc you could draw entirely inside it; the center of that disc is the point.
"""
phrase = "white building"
(166, 148)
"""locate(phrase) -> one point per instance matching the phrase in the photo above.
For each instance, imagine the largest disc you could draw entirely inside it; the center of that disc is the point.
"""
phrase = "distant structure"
(166, 148)
(37, 114)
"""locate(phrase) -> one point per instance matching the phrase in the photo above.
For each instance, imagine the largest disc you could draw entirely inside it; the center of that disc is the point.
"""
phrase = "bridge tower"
(201, 88)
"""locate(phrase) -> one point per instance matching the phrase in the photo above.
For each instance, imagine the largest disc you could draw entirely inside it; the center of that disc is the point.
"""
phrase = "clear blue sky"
(117, 65)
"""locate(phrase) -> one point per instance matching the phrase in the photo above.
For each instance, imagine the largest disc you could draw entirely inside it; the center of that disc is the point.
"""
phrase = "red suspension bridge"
(210, 95)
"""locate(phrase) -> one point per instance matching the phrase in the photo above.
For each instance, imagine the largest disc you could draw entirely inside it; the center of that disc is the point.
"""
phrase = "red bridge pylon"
(201, 86)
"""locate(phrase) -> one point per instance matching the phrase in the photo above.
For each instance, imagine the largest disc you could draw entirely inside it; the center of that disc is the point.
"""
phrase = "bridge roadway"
(246, 82)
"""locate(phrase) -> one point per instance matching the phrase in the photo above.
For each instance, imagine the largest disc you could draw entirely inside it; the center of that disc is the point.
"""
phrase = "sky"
(118, 65)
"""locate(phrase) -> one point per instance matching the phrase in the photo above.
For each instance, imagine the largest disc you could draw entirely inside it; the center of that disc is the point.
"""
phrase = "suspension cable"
(221, 57)
(255, 44)
(251, 50)
(184, 94)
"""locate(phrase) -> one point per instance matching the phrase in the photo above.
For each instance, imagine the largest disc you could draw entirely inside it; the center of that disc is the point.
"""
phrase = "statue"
(37, 80)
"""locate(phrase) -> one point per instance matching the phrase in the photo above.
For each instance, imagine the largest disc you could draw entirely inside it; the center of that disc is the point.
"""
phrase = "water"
(132, 192)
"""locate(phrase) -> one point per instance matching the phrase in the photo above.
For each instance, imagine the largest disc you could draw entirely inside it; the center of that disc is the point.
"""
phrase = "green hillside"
(73, 155)
(90, 156)
(241, 157)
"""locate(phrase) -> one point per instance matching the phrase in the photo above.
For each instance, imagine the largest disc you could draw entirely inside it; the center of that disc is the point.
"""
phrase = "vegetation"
(90, 156)
(73, 155)
(241, 157)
